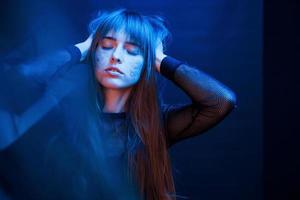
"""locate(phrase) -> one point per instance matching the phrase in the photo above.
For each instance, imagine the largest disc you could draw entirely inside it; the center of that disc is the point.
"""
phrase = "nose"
(116, 57)
(114, 60)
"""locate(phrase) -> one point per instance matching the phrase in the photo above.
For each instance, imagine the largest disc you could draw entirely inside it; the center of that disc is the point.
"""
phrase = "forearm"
(22, 83)
(159, 57)
(204, 90)
(45, 67)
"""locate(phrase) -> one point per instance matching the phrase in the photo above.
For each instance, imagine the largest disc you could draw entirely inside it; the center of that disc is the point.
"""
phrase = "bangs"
(136, 27)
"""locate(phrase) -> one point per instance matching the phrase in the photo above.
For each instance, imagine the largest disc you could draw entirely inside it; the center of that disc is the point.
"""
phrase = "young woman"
(112, 132)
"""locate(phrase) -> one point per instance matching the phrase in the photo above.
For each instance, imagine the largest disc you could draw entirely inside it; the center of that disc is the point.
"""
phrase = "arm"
(46, 67)
(211, 101)
(21, 84)
(41, 69)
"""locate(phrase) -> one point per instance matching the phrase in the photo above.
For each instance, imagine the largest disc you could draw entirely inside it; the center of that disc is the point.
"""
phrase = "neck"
(115, 100)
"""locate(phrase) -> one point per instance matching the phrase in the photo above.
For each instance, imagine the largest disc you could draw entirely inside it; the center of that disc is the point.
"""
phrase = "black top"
(51, 143)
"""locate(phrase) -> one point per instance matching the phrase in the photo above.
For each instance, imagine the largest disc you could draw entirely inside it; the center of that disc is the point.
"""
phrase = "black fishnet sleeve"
(45, 68)
(28, 91)
(211, 100)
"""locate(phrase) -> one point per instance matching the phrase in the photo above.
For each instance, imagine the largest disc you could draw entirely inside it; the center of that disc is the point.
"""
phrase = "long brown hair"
(149, 161)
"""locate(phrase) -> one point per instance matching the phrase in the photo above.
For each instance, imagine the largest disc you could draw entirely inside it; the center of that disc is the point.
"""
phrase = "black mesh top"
(51, 144)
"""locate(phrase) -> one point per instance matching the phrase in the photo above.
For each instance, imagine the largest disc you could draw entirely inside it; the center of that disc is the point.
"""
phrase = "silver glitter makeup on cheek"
(134, 72)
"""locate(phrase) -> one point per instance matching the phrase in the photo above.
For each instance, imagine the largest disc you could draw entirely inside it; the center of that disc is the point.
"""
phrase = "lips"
(113, 69)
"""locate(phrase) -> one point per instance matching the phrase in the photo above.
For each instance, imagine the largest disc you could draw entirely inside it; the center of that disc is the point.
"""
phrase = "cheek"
(99, 76)
(136, 68)
(101, 59)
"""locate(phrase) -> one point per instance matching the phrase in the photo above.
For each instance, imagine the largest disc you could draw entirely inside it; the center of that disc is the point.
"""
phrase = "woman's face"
(118, 61)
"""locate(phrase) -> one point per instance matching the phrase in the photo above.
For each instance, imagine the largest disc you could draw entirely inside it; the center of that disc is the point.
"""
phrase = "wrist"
(158, 61)
(168, 67)
(83, 49)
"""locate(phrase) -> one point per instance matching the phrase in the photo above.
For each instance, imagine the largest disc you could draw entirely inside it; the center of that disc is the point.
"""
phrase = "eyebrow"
(127, 42)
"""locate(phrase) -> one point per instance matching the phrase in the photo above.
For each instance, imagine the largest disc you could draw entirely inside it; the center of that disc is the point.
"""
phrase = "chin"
(114, 84)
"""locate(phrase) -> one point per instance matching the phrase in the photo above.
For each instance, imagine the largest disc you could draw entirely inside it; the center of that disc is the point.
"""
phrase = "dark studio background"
(222, 38)
(281, 113)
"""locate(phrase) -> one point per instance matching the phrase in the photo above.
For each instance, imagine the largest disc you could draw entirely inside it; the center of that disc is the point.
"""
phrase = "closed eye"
(107, 43)
(132, 49)
(110, 43)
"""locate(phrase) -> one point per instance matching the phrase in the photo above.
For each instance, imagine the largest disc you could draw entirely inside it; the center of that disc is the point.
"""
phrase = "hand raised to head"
(159, 53)
(85, 46)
